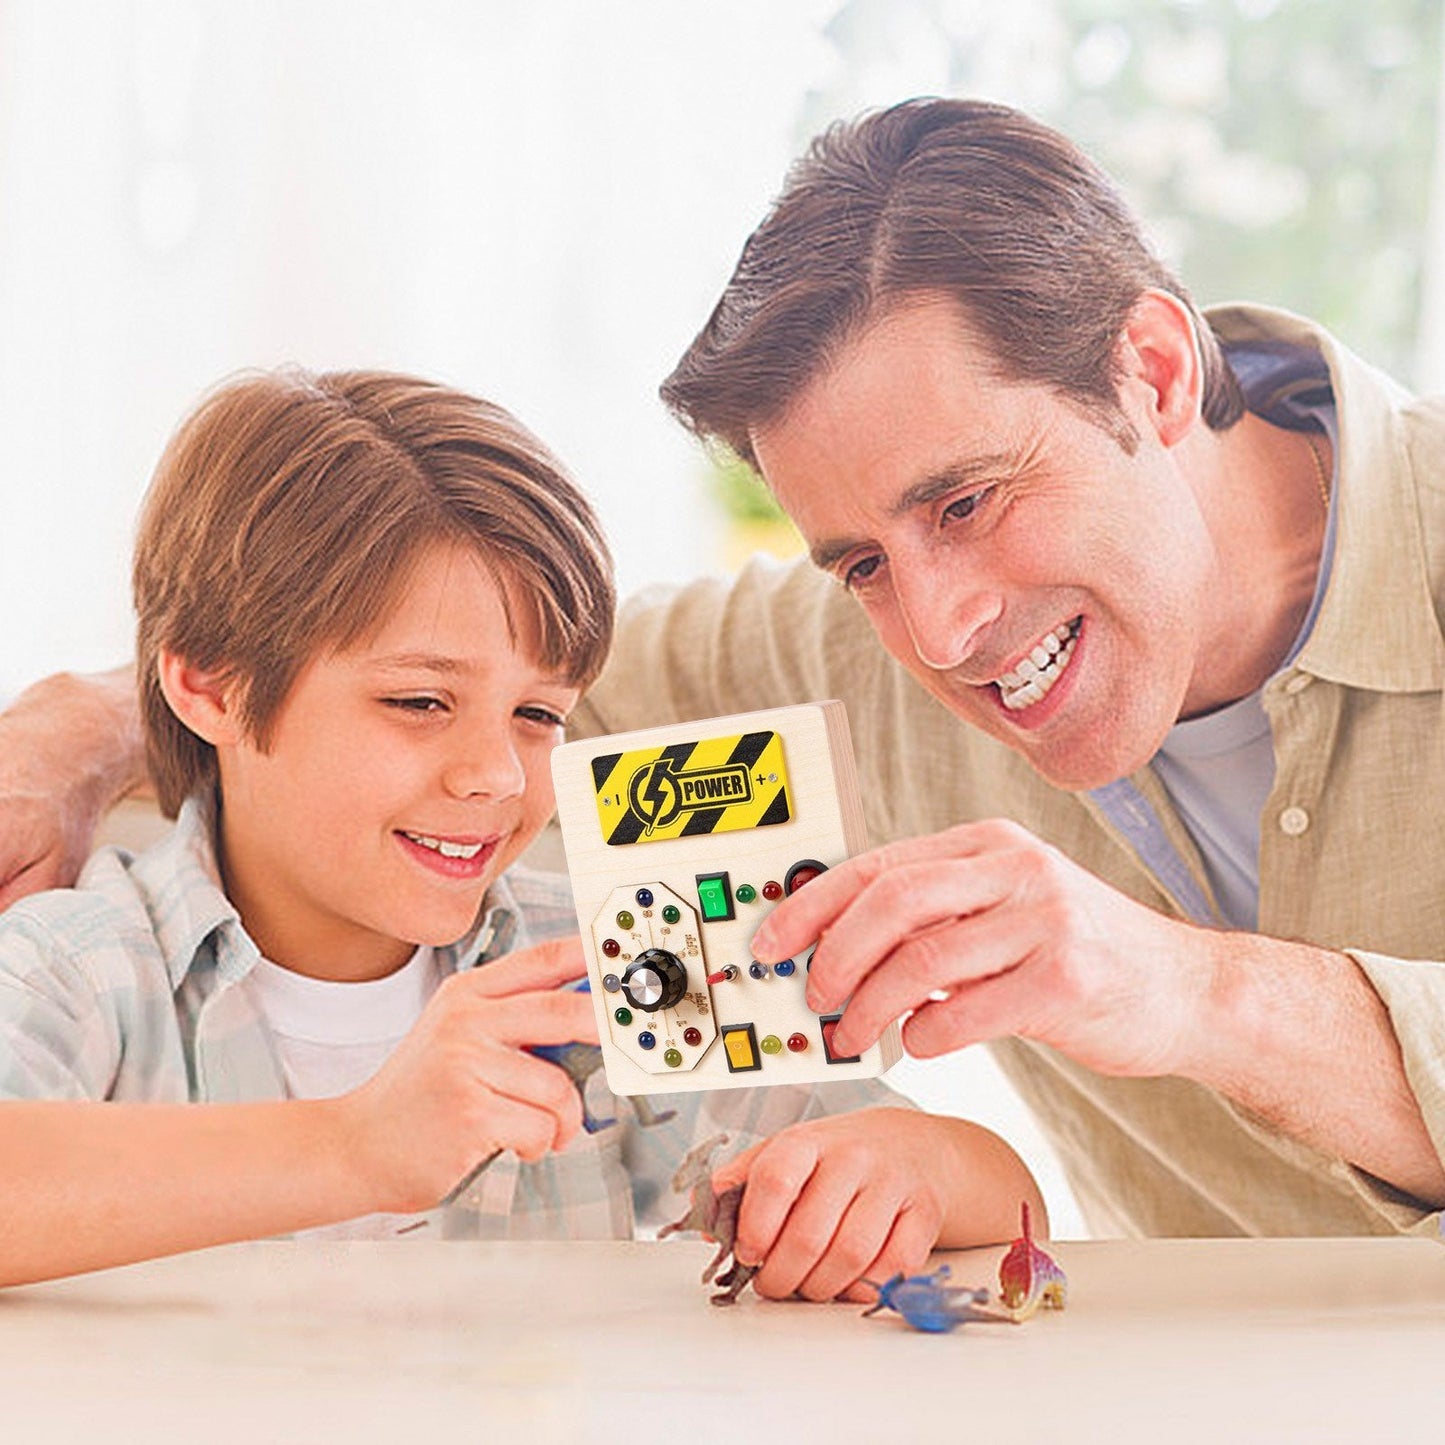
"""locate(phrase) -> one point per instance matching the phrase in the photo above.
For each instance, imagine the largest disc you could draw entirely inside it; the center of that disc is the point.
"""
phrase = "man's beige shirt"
(1358, 864)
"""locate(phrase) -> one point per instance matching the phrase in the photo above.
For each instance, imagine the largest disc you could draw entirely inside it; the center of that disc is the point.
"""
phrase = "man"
(1163, 593)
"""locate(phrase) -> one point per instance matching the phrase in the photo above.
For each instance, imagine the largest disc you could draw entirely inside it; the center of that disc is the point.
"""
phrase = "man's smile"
(1035, 675)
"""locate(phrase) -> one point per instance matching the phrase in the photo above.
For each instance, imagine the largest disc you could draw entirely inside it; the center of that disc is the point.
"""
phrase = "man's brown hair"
(934, 197)
(289, 506)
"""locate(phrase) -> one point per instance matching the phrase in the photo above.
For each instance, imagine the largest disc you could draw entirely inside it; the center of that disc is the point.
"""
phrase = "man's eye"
(964, 507)
(861, 572)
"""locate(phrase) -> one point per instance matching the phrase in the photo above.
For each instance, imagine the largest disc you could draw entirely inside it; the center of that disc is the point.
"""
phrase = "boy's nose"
(492, 771)
(943, 613)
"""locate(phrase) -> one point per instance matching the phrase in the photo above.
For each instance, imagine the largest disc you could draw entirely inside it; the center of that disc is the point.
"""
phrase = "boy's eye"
(420, 704)
(544, 716)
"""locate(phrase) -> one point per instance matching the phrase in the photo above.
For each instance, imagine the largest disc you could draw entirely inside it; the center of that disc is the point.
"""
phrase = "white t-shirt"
(332, 1037)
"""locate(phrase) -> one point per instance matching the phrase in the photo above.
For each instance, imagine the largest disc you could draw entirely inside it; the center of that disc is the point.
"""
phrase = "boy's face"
(404, 774)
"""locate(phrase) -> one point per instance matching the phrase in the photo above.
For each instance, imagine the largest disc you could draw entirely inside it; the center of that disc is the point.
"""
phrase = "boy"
(366, 605)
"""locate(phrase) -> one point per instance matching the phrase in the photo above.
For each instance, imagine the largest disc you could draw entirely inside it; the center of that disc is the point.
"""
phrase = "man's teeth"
(1031, 680)
(447, 850)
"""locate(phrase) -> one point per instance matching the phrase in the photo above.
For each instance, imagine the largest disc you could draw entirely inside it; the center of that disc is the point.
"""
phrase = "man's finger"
(911, 900)
(801, 918)
(946, 960)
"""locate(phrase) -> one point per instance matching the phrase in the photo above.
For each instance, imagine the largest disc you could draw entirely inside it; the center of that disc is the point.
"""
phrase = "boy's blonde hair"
(289, 506)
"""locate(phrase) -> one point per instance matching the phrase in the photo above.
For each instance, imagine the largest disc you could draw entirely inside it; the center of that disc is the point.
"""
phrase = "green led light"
(623, 1016)
(672, 1058)
(671, 913)
(746, 893)
(771, 1045)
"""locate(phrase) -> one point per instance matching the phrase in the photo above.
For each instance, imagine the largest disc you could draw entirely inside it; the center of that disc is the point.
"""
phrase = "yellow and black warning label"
(716, 785)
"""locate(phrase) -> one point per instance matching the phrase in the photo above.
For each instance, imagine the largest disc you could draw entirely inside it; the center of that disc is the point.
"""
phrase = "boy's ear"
(206, 702)
(1161, 356)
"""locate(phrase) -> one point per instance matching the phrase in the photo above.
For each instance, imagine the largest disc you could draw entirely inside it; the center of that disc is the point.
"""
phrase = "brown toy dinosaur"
(714, 1216)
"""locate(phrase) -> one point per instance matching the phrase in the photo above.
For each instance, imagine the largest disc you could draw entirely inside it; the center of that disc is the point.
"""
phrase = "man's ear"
(1159, 352)
(206, 702)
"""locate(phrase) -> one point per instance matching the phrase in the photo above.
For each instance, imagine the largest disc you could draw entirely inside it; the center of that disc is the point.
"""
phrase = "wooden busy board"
(680, 840)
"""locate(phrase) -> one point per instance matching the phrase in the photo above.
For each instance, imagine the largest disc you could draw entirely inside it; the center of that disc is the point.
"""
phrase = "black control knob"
(655, 979)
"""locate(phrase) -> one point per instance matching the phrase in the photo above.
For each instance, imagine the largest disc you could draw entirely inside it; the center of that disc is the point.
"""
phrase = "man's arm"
(70, 746)
(984, 931)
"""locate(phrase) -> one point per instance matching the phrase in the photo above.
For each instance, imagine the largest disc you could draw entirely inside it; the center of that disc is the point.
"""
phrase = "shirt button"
(1298, 683)
(1293, 821)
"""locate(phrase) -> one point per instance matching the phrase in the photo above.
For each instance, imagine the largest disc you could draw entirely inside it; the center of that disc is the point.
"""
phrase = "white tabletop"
(350, 1342)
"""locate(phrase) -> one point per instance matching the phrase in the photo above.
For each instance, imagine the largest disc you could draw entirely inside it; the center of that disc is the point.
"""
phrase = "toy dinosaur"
(1028, 1277)
(579, 1062)
(926, 1303)
(714, 1216)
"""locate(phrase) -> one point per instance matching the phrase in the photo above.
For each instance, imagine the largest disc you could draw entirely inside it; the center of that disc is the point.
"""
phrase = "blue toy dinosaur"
(926, 1303)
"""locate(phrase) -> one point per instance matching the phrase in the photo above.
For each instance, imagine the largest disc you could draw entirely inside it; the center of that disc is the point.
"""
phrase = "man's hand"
(459, 1087)
(861, 1196)
(985, 931)
(69, 747)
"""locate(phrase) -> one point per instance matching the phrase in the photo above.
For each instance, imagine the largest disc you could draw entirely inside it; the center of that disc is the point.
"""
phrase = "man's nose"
(945, 614)
(484, 765)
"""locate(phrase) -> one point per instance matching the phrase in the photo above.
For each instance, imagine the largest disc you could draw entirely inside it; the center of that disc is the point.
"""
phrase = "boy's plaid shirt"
(125, 989)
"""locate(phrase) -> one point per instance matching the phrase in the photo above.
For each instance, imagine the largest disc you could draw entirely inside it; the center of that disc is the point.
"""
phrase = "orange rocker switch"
(741, 1046)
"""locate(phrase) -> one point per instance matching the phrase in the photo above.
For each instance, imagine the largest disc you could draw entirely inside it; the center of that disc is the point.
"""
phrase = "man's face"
(994, 533)
(404, 774)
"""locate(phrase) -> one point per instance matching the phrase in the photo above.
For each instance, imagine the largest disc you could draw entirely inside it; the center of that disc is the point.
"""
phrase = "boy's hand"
(833, 1201)
(459, 1087)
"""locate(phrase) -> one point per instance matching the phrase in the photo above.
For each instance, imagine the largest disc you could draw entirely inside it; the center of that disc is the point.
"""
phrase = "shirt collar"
(1380, 567)
(192, 916)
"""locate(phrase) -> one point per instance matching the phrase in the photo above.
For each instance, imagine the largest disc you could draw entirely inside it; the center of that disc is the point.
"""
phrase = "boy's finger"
(525, 1019)
(905, 1251)
(775, 1182)
(551, 964)
(519, 1081)
(735, 1170)
(855, 1244)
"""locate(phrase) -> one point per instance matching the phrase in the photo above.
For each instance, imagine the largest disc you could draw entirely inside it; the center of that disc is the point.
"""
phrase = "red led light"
(772, 891)
(692, 1036)
(611, 947)
(797, 1043)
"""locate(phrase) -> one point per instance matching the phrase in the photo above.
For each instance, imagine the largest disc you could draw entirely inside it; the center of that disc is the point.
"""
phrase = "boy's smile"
(404, 774)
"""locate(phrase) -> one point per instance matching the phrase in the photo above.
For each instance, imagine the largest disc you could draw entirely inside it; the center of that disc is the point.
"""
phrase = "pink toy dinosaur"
(1028, 1277)
(714, 1216)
